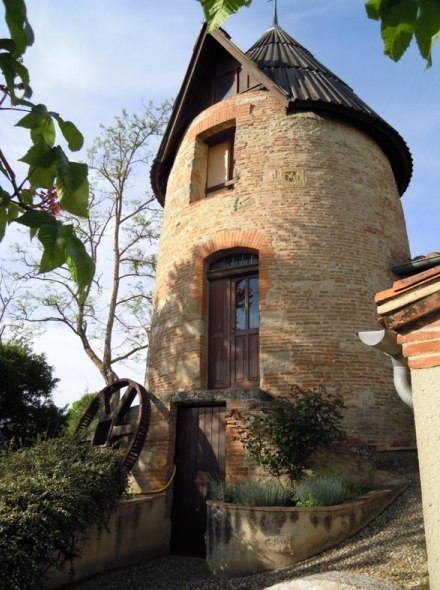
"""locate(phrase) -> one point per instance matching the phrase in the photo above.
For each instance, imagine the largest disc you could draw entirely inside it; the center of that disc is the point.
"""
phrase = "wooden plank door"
(200, 449)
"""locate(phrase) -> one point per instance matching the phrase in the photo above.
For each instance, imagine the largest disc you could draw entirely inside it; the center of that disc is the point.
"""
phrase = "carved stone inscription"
(288, 176)
(293, 177)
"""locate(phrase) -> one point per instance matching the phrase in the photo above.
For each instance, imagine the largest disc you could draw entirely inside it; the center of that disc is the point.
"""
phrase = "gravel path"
(388, 554)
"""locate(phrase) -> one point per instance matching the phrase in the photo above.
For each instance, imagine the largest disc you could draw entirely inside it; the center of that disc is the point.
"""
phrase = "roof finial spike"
(275, 14)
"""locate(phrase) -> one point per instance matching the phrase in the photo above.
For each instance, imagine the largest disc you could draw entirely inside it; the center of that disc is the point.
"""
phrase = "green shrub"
(48, 493)
(285, 432)
(251, 493)
(324, 491)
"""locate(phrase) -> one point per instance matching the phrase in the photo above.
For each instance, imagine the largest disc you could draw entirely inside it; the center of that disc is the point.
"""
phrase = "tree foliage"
(77, 410)
(283, 435)
(52, 182)
(401, 20)
(27, 411)
(48, 494)
(111, 316)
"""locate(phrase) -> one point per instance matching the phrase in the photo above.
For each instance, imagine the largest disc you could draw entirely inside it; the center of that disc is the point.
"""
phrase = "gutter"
(386, 342)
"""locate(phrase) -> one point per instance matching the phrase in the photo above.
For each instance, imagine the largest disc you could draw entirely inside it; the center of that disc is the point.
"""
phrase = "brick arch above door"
(251, 240)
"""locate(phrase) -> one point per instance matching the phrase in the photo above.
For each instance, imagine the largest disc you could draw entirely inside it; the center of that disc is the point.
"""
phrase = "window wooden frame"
(226, 136)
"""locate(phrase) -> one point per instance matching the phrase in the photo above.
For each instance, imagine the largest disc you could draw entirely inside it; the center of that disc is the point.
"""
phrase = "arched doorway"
(234, 321)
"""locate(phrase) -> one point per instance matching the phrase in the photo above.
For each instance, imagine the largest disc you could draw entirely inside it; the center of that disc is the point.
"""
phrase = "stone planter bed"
(247, 539)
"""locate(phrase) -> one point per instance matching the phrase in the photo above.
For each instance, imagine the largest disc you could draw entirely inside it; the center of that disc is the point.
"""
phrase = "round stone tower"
(282, 218)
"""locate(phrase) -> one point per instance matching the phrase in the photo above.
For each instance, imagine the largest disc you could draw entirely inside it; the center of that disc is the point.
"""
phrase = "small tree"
(26, 407)
(76, 412)
(285, 432)
(111, 317)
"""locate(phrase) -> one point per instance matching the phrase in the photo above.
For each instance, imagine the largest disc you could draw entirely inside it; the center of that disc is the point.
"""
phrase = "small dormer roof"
(282, 66)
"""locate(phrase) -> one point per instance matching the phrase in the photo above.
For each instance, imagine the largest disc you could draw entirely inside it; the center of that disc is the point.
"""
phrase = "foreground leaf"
(398, 21)
(36, 219)
(54, 238)
(403, 19)
(39, 155)
(19, 27)
(72, 185)
(217, 11)
(81, 266)
(427, 29)
(41, 125)
(71, 133)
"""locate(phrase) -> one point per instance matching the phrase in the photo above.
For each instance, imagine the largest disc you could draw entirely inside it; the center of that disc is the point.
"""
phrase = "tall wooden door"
(200, 450)
(233, 356)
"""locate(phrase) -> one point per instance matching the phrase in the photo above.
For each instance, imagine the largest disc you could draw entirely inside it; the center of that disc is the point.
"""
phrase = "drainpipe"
(386, 342)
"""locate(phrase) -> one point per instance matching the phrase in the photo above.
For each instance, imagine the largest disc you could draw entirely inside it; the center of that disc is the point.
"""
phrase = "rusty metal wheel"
(117, 425)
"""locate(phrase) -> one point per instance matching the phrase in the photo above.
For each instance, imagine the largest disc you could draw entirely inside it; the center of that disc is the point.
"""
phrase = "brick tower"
(282, 217)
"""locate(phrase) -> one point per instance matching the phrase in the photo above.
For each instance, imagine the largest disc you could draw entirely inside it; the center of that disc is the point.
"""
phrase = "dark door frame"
(222, 344)
(200, 449)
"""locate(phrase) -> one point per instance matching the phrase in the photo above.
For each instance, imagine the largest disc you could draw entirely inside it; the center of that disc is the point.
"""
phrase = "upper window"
(220, 164)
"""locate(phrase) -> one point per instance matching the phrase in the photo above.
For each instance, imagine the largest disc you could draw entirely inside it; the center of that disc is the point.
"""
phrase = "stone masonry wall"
(317, 200)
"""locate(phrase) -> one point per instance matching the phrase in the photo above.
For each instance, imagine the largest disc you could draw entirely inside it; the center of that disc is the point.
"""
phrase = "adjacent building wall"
(426, 388)
(411, 307)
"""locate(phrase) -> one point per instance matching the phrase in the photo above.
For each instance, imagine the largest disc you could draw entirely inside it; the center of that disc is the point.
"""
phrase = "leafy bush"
(48, 493)
(324, 491)
(251, 493)
(283, 435)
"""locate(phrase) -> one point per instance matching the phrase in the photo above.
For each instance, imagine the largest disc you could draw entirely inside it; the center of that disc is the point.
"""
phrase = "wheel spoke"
(114, 420)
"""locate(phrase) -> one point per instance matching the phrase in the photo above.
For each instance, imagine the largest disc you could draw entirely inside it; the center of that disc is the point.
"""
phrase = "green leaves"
(61, 246)
(427, 28)
(72, 185)
(71, 134)
(40, 122)
(12, 49)
(18, 25)
(217, 11)
(398, 26)
(81, 266)
(48, 164)
(401, 20)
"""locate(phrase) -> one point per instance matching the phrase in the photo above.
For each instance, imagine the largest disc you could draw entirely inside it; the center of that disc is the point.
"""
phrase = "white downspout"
(386, 342)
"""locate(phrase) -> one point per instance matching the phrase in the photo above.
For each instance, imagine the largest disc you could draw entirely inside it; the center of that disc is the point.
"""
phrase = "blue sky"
(93, 57)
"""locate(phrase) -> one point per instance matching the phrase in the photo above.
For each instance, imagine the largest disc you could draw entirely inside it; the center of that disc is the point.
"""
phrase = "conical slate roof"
(310, 85)
(292, 67)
